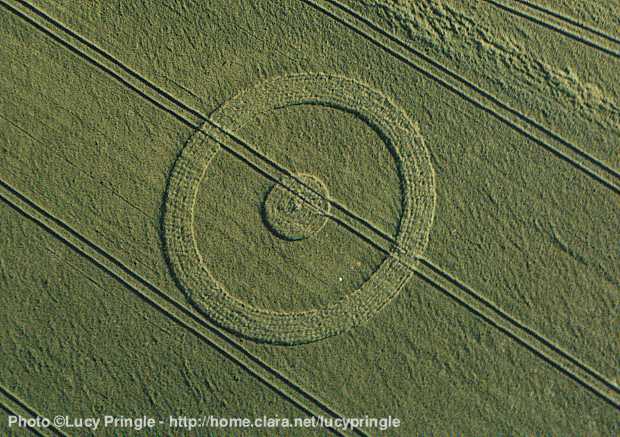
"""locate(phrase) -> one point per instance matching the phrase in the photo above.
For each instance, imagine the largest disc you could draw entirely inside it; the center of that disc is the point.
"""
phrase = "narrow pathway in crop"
(570, 28)
(16, 407)
(176, 311)
(472, 93)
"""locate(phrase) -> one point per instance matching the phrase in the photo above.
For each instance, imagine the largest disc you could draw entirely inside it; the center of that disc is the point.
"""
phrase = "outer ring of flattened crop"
(418, 204)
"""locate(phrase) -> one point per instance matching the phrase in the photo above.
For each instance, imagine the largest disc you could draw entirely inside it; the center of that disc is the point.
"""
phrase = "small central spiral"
(296, 208)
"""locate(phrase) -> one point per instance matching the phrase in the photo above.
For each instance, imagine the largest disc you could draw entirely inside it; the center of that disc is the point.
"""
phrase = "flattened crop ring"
(401, 135)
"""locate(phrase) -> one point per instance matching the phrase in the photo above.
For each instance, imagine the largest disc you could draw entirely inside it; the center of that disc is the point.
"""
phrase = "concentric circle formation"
(296, 208)
(418, 193)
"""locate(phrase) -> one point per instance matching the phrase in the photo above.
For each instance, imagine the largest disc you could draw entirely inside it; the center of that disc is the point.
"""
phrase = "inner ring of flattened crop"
(417, 185)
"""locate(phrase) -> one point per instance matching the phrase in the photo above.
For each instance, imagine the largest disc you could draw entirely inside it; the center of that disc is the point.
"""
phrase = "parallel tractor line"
(167, 102)
(462, 296)
(470, 92)
(145, 255)
(179, 313)
(574, 22)
(10, 412)
(14, 406)
(445, 282)
(490, 313)
(569, 28)
(521, 333)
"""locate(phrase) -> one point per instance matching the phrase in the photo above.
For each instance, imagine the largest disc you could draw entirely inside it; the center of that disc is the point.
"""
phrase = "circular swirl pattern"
(296, 208)
(418, 202)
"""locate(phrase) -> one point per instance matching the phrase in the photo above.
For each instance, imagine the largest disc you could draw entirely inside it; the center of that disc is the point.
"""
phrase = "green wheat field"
(311, 209)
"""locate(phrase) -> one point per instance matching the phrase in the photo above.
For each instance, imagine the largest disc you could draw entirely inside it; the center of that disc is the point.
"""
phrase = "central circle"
(296, 207)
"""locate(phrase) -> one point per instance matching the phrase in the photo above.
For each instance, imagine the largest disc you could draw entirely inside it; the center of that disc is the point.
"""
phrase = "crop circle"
(403, 139)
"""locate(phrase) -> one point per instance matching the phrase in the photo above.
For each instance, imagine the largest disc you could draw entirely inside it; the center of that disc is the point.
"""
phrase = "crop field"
(313, 210)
